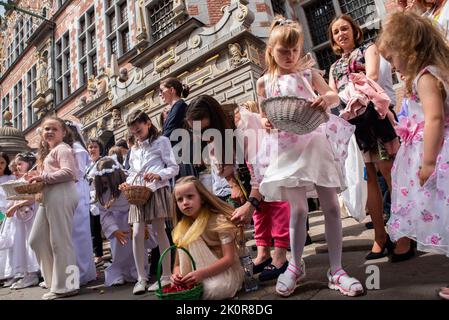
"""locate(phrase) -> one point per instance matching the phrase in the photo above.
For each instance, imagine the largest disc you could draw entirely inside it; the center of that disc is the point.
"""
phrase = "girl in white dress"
(420, 175)
(5, 224)
(152, 163)
(22, 212)
(114, 209)
(313, 161)
(81, 234)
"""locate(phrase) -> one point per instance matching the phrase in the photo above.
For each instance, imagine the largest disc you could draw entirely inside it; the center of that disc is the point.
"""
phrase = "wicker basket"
(137, 195)
(192, 294)
(9, 188)
(30, 188)
(293, 114)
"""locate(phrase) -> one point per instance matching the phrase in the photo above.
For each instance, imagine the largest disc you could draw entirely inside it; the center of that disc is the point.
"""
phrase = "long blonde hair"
(44, 148)
(417, 40)
(287, 33)
(188, 229)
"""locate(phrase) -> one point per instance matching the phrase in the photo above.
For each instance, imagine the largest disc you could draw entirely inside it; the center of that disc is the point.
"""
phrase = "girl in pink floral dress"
(301, 163)
(420, 175)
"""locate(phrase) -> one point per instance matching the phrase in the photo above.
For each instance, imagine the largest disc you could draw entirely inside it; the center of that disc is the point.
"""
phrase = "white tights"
(140, 255)
(298, 218)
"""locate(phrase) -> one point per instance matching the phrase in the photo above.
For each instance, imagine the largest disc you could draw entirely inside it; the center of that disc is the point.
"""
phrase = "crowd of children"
(59, 231)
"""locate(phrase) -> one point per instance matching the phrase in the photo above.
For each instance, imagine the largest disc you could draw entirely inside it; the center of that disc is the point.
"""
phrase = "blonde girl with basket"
(204, 228)
(152, 163)
(51, 235)
(22, 213)
(308, 162)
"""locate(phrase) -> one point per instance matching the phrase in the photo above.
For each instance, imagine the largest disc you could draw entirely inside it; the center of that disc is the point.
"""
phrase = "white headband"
(115, 166)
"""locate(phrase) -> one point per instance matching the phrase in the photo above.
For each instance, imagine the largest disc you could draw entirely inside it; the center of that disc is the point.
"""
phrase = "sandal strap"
(297, 271)
(342, 275)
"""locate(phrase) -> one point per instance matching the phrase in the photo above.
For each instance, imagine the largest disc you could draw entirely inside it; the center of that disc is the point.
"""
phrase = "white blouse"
(156, 158)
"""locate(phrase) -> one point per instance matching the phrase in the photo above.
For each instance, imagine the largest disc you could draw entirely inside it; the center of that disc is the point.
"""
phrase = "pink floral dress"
(316, 158)
(421, 213)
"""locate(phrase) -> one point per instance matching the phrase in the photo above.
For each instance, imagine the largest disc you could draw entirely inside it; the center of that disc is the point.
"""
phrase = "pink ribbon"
(407, 130)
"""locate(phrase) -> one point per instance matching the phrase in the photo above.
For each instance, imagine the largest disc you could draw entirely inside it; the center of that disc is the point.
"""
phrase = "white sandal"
(289, 282)
(345, 284)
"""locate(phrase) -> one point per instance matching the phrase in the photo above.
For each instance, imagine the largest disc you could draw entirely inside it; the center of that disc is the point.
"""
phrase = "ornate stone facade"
(222, 60)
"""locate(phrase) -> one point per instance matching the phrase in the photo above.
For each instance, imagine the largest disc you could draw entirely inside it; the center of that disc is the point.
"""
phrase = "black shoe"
(404, 256)
(308, 240)
(271, 272)
(389, 246)
(258, 268)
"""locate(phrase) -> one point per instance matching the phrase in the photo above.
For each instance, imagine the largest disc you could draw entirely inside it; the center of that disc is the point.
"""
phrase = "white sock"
(332, 222)
(139, 250)
(298, 219)
(163, 243)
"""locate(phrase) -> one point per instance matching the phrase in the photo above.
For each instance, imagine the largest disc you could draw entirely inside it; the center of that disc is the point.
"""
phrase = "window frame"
(17, 105)
(148, 14)
(114, 28)
(62, 68)
(22, 31)
(31, 95)
(87, 57)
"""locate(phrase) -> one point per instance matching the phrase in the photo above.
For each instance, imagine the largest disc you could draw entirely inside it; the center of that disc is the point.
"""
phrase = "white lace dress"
(316, 158)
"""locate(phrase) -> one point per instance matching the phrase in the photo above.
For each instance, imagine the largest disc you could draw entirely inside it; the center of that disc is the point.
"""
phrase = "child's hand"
(242, 215)
(176, 278)
(150, 177)
(123, 186)
(121, 236)
(320, 104)
(10, 212)
(192, 278)
(425, 172)
(266, 124)
(33, 176)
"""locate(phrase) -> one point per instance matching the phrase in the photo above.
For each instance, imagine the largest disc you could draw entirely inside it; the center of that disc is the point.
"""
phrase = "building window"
(117, 29)
(31, 95)
(319, 14)
(63, 86)
(160, 16)
(362, 11)
(22, 31)
(29, 28)
(278, 7)
(17, 106)
(10, 55)
(5, 106)
(18, 39)
(87, 51)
